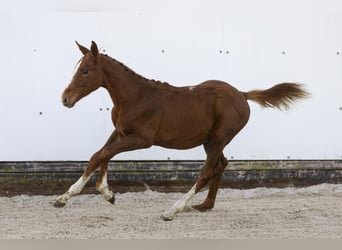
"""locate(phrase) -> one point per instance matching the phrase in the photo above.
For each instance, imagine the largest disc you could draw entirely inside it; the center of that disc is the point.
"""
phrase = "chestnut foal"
(148, 112)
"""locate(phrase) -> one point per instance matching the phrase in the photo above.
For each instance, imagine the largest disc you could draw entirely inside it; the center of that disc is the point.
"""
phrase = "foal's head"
(87, 78)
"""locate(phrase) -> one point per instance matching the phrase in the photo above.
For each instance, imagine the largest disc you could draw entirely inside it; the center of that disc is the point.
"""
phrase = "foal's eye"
(84, 71)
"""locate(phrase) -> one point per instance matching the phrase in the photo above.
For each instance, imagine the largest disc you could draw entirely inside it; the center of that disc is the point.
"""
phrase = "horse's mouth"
(69, 105)
(67, 102)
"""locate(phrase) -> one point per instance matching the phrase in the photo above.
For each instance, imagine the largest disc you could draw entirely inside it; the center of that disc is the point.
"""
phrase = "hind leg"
(216, 165)
(202, 181)
(213, 186)
(179, 206)
(220, 135)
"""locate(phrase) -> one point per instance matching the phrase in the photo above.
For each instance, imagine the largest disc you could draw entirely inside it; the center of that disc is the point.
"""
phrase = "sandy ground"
(263, 213)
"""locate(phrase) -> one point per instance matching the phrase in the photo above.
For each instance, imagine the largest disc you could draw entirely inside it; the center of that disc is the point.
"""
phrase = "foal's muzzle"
(66, 100)
(67, 103)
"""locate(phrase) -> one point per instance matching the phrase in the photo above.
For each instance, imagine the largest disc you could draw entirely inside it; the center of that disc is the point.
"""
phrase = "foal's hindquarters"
(231, 115)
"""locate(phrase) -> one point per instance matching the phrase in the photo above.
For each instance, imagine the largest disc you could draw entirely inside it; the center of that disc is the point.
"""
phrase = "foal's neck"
(122, 83)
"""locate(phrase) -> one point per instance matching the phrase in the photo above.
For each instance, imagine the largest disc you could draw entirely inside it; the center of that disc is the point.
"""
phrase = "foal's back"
(188, 114)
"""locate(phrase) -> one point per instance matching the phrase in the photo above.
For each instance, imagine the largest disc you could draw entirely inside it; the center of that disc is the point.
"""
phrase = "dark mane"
(132, 72)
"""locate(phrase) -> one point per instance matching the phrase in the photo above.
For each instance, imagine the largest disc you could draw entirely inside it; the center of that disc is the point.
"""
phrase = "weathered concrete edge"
(42, 178)
(136, 166)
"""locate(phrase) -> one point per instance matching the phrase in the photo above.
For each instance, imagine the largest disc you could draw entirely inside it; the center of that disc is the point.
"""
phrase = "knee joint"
(104, 155)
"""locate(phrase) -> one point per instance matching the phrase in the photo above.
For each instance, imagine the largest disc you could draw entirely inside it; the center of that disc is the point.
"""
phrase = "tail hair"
(280, 96)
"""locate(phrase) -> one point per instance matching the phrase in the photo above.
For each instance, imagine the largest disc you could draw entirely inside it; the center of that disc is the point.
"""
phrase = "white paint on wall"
(251, 44)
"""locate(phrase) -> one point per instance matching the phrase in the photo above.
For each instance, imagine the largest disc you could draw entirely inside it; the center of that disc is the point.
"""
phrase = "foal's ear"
(83, 49)
(94, 49)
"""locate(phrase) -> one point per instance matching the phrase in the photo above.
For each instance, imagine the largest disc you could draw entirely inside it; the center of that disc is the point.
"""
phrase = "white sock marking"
(74, 189)
(179, 205)
(104, 190)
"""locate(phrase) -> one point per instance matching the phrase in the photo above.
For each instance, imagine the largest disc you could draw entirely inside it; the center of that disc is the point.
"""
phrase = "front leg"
(93, 164)
(121, 144)
(77, 187)
(102, 186)
(116, 144)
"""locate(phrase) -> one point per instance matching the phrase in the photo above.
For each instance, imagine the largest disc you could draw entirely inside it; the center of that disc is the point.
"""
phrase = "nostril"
(65, 100)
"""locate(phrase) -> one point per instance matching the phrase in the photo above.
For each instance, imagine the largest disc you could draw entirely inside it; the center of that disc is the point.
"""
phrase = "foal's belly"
(180, 144)
(183, 137)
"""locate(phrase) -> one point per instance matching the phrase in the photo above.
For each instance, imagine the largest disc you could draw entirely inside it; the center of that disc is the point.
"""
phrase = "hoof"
(187, 209)
(201, 208)
(166, 218)
(112, 200)
(58, 204)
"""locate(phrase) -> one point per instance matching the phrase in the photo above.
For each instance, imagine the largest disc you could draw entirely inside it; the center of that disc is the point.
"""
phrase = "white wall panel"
(250, 44)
